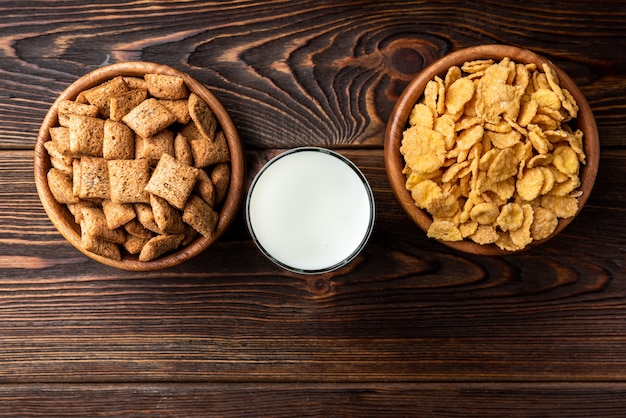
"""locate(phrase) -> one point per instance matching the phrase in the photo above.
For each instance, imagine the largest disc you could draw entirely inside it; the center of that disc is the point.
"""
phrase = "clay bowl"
(398, 122)
(63, 219)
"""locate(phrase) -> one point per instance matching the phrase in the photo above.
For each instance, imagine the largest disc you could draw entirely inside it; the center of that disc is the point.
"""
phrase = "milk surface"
(310, 210)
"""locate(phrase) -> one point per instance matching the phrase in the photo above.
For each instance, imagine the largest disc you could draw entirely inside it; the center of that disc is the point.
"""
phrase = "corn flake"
(444, 230)
(503, 140)
(458, 94)
(484, 213)
(527, 112)
(511, 217)
(445, 125)
(530, 184)
(504, 189)
(485, 234)
(470, 137)
(476, 66)
(566, 160)
(522, 76)
(521, 237)
(424, 150)
(562, 206)
(544, 223)
(503, 166)
(548, 180)
(421, 115)
(453, 74)
(431, 92)
(424, 192)
(444, 205)
(468, 228)
(546, 98)
(570, 104)
(566, 187)
(538, 139)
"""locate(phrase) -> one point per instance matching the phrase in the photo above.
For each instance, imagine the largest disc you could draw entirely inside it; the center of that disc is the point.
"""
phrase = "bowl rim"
(62, 219)
(398, 119)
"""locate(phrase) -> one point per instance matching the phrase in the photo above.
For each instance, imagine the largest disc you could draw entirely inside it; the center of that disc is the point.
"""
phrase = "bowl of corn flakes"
(492, 150)
(139, 166)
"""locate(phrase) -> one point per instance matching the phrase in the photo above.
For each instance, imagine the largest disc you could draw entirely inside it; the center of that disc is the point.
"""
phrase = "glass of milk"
(310, 210)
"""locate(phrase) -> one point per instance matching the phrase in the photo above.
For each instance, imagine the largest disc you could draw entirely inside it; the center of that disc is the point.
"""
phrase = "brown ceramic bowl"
(63, 219)
(398, 122)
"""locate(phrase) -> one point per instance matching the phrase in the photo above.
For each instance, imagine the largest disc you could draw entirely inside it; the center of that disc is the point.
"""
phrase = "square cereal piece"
(123, 103)
(160, 245)
(128, 179)
(135, 83)
(134, 244)
(206, 153)
(70, 107)
(136, 229)
(101, 94)
(182, 150)
(60, 184)
(190, 235)
(145, 216)
(76, 177)
(167, 218)
(80, 98)
(76, 209)
(204, 188)
(56, 154)
(203, 116)
(118, 142)
(117, 214)
(164, 86)
(199, 215)
(100, 247)
(178, 108)
(64, 164)
(172, 180)
(86, 135)
(220, 176)
(153, 147)
(91, 178)
(94, 224)
(191, 131)
(60, 135)
(149, 117)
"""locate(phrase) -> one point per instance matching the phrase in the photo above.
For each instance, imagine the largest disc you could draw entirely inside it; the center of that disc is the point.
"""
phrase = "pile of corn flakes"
(490, 156)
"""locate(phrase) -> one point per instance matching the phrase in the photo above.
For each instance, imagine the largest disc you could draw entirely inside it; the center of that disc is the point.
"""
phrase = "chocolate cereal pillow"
(143, 165)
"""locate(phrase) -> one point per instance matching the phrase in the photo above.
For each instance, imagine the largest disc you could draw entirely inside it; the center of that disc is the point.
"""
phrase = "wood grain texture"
(411, 328)
(298, 73)
(407, 310)
(336, 400)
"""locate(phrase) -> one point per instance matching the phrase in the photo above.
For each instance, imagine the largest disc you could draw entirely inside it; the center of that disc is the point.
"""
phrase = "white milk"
(310, 210)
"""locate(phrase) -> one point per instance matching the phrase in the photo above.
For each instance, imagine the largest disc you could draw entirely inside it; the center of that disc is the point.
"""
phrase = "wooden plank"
(294, 73)
(410, 328)
(314, 400)
(407, 310)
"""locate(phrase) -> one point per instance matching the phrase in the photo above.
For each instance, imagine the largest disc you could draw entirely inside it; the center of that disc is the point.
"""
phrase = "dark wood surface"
(411, 328)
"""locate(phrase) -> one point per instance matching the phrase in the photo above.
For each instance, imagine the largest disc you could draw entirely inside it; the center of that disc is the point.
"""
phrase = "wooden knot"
(404, 58)
(319, 285)
(407, 60)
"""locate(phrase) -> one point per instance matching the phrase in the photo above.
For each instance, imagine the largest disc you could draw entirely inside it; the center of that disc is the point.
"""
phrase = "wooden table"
(411, 328)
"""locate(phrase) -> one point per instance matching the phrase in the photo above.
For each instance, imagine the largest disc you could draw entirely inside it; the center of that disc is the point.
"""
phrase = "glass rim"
(370, 198)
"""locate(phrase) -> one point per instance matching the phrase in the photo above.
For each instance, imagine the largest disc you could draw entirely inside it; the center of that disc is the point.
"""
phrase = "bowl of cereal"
(139, 166)
(492, 150)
